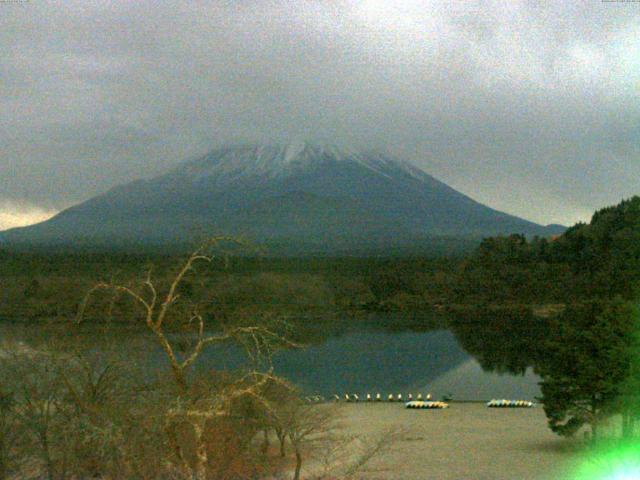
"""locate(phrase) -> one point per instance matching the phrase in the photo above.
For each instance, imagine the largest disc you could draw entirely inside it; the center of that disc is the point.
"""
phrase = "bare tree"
(344, 456)
(315, 434)
(88, 421)
(258, 341)
(192, 417)
(306, 424)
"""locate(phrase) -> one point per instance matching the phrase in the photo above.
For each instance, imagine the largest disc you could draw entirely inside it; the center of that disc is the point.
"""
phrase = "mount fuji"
(306, 194)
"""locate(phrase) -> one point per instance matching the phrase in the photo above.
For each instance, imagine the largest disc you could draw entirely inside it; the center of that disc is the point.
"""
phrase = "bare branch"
(152, 288)
(171, 296)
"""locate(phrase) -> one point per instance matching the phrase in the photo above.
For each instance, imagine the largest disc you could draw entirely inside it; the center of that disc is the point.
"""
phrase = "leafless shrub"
(347, 457)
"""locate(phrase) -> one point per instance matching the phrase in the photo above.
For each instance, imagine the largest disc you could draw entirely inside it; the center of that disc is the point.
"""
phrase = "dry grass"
(466, 441)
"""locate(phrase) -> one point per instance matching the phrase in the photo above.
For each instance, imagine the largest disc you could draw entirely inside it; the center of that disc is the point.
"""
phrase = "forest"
(567, 307)
(588, 262)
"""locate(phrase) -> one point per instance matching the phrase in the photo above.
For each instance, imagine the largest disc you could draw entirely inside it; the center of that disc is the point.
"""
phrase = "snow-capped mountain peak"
(280, 161)
(313, 193)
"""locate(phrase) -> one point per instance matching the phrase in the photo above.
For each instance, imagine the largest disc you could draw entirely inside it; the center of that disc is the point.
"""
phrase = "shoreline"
(469, 441)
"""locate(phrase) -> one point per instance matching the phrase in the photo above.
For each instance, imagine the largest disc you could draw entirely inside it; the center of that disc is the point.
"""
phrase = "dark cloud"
(530, 107)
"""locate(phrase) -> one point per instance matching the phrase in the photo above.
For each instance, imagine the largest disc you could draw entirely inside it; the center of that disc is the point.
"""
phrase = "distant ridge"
(297, 194)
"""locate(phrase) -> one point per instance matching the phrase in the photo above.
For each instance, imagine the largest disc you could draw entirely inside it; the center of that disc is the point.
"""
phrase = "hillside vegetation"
(589, 261)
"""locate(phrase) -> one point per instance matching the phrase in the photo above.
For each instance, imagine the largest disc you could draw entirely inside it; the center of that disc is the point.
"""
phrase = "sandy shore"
(466, 441)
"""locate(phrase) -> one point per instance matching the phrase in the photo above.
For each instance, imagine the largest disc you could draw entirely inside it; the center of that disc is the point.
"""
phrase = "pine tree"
(589, 362)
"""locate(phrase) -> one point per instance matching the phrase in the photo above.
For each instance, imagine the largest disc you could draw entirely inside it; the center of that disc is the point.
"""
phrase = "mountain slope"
(297, 192)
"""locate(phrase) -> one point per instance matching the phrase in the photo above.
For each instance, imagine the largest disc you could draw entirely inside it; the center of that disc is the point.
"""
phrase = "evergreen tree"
(629, 401)
(588, 363)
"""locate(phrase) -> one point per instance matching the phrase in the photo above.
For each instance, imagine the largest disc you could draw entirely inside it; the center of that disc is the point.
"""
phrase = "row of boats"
(504, 403)
(418, 402)
(353, 397)
(421, 402)
(428, 405)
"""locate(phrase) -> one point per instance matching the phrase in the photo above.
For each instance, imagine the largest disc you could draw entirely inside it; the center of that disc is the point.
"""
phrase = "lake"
(363, 358)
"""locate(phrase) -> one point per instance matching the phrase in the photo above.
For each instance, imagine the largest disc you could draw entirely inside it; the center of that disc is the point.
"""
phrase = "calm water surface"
(364, 359)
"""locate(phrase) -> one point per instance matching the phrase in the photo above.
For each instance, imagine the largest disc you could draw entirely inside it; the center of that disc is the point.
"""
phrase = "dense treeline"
(38, 286)
(588, 353)
(591, 261)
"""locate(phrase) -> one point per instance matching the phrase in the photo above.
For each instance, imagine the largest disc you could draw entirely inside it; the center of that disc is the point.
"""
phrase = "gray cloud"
(529, 107)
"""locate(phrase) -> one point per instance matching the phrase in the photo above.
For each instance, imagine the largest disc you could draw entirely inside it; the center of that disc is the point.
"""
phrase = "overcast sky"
(532, 108)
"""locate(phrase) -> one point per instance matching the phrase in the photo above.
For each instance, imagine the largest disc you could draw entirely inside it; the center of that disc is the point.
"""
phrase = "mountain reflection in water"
(362, 358)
